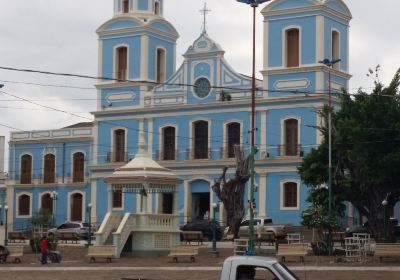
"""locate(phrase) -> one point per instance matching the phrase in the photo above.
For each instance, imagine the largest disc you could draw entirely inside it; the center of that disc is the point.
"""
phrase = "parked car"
(205, 226)
(393, 229)
(279, 230)
(81, 229)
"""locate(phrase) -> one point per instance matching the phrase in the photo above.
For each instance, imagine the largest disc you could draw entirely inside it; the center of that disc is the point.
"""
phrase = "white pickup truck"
(255, 267)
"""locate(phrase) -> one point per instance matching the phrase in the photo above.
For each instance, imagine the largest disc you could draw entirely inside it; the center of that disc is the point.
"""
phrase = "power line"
(47, 85)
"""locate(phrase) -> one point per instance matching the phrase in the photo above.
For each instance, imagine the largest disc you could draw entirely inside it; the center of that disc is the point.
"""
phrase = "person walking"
(43, 249)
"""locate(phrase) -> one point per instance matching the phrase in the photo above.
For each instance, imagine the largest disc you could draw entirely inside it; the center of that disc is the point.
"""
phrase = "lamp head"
(384, 202)
(89, 205)
(6, 207)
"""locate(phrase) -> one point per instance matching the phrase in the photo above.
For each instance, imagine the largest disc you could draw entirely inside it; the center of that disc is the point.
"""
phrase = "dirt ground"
(75, 258)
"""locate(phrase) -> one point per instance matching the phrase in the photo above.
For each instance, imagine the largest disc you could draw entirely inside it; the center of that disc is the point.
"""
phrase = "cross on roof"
(204, 11)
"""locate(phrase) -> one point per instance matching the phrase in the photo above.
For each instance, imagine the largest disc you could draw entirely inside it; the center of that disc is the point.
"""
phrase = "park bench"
(16, 253)
(17, 236)
(292, 250)
(387, 250)
(101, 251)
(64, 237)
(184, 251)
(189, 236)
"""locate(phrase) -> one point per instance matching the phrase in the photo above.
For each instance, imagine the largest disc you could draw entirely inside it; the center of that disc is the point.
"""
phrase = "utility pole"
(254, 4)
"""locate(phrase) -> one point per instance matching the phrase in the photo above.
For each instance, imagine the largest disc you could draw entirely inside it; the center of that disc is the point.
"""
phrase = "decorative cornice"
(302, 69)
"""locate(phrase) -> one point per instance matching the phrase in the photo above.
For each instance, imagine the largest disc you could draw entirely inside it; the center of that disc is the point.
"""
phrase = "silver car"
(80, 229)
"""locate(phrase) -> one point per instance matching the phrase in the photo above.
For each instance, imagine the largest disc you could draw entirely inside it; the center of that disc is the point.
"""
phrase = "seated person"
(3, 254)
(245, 272)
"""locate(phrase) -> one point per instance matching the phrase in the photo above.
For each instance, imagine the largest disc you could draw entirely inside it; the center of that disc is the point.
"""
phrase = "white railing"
(110, 222)
(125, 228)
(142, 222)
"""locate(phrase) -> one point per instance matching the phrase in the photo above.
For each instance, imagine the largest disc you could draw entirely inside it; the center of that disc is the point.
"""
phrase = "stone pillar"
(110, 198)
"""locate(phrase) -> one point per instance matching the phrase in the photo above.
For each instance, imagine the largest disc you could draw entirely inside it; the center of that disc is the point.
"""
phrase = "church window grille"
(201, 140)
(117, 199)
(49, 169)
(119, 145)
(76, 207)
(290, 195)
(26, 169)
(78, 168)
(24, 205)
(292, 47)
(125, 6)
(160, 65)
(291, 137)
(233, 138)
(122, 63)
(47, 203)
(335, 48)
(169, 143)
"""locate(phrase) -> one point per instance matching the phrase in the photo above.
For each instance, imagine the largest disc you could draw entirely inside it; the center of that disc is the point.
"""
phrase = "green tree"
(365, 154)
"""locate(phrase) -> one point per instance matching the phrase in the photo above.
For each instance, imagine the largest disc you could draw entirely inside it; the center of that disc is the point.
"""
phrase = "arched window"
(117, 199)
(290, 195)
(47, 202)
(157, 8)
(24, 205)
(78, 168)
(119, 146)
(168, 149)
(233, 130)
(335, 48)
(76, 207)
(122, 63)
(160, 65)
(292, 47)
(291, 137)
(200, 129)
(125, 6)
(26, 169)
(49, 169)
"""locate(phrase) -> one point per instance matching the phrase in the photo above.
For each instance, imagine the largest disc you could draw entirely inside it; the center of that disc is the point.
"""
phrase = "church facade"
(192, 116)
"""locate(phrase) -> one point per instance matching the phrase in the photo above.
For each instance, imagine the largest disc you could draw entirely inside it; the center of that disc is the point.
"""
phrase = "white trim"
(266, 45)
(93, 201)
(144, 58)
(161, 138)
(298, 118)
(95, 142)
(319, 122)
(100, 60)
(320, 36)
(192, 140)
(262, 196)
(18, 216)
(211, 78)
(225, 135)
(70, 194)
(115, 62)
(150, 136)
(188, 183)
(209, 92)
(10, 195)
(282, 183)
(263, 134)
(284, 45)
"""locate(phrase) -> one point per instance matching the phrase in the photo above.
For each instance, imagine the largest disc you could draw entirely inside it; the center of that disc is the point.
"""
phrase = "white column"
(149, 202)
(262, 196)
(93, 200)
(110, 198)
(263, 132)
(187, 209)
(175, 209)
(10, 203)
(150, 136)
(144, 58)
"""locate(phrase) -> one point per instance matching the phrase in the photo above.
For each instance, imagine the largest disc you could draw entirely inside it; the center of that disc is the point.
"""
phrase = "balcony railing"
(198, 154)
(117, 157)
(290, 150)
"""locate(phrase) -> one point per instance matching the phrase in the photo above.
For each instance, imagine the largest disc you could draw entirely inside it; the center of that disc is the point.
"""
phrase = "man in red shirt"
(43, 249)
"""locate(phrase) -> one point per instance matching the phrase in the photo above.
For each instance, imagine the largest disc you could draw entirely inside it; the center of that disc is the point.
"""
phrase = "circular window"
(202, 87)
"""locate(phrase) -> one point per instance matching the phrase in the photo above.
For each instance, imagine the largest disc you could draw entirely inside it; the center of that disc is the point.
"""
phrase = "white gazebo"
(154, 227)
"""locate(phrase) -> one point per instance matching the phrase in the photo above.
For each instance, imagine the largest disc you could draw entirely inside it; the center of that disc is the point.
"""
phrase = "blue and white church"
(185, 120)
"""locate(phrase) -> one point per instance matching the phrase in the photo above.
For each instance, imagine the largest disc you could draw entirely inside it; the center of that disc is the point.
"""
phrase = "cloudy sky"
(59, 36)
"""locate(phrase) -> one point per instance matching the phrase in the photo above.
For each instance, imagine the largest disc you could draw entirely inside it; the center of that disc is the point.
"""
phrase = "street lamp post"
(89, 210)
(254, 4)
(214, 229)
(5, 225)
(384, 204)
(1, 219)
(329, 64)
(54, 196)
